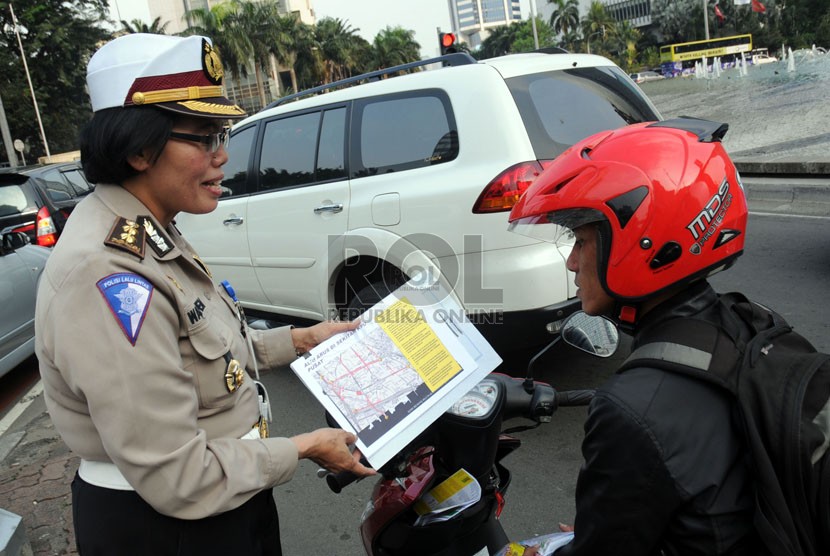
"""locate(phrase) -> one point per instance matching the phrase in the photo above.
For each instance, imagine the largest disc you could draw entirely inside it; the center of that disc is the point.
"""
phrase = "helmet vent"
(669, 253)
(625, 205)
(725, 237)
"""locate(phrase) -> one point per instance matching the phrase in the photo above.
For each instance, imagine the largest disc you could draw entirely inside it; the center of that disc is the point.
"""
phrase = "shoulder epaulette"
(128, 236)
(157, 239)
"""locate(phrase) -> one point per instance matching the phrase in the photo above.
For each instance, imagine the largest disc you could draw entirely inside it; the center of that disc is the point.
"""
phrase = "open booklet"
(413, 356)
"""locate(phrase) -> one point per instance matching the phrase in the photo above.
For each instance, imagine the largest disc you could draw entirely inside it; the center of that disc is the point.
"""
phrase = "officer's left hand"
(329, 448)
(306, 338)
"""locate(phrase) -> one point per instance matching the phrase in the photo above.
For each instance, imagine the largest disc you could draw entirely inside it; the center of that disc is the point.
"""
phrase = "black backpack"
(782, 391)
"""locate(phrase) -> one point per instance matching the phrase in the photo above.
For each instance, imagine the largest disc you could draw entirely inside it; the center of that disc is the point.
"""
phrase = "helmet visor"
(556, 226)
(541, 228)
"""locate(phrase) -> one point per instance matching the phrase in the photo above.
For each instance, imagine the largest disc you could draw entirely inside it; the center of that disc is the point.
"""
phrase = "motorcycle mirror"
(595, 335)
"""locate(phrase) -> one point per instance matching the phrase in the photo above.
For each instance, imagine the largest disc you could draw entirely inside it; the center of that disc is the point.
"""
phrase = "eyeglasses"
(212, 140)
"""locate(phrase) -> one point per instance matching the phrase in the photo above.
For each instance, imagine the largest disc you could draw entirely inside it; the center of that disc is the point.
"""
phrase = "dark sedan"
(38, 200)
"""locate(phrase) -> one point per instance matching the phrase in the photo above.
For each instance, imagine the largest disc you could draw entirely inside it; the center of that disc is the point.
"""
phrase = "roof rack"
(454, 59)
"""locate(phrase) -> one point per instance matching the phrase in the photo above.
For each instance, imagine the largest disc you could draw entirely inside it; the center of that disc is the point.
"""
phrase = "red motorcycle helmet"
(668, 200)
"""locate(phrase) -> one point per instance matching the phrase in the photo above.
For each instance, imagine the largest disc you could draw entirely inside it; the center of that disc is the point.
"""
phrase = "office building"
(475, 18)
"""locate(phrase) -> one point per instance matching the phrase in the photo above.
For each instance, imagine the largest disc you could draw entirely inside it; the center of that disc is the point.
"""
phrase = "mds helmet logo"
(708, 220)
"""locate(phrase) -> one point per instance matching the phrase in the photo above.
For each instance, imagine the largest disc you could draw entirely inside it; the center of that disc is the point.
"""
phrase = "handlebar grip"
(338, 481)
(574, 397)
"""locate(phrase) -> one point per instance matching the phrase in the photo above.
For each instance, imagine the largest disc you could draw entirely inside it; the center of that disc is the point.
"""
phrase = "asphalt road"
(786, 265)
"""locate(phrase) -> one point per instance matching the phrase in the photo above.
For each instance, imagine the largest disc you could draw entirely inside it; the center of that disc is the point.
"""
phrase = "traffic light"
(447, 44)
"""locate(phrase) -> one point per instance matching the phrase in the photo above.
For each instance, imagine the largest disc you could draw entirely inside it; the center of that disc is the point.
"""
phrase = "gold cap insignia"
(211, 63)
(128, 236)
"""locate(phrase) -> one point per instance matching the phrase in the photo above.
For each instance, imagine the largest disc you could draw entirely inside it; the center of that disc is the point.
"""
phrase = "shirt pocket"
(211, 341)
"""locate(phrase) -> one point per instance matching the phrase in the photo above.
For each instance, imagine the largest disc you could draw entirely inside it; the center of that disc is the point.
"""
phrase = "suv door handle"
(329, 208)
(233, 220)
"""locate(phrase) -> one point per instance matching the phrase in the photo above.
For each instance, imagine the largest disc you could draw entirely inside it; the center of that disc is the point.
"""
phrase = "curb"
(792, 168)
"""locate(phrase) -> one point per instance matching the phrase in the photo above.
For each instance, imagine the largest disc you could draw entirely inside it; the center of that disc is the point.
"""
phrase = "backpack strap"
(697, 347)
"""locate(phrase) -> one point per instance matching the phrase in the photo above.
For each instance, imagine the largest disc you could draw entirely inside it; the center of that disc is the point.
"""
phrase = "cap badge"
(212, 64)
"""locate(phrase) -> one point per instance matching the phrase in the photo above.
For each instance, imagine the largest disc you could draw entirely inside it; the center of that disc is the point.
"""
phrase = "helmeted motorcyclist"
(653, 209)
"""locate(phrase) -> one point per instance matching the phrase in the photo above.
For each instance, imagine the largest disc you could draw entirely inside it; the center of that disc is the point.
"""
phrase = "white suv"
(332, 200)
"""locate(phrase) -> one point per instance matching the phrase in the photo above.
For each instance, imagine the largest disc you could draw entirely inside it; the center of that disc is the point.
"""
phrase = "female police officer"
(142, 356)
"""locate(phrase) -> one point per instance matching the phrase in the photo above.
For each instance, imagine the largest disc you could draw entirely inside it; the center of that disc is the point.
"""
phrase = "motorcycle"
(468, 437)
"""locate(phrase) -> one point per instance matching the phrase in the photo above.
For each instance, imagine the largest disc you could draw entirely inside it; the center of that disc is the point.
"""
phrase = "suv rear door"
(302, 180)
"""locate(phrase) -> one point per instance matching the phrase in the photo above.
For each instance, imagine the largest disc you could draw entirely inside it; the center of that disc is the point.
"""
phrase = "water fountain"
(767, 106)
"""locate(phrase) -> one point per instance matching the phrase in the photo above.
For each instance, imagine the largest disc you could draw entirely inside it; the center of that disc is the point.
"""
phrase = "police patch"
(128, 296)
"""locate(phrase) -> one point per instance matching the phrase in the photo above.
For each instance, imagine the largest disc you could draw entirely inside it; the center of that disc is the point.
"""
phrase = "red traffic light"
(446, 41)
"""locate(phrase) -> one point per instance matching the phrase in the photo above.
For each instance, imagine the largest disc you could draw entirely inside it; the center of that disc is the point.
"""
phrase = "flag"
(758, 7)
(719, 14)
(741, 2)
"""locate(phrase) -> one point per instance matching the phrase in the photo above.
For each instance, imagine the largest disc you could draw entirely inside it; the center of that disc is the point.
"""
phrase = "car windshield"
(563, 107)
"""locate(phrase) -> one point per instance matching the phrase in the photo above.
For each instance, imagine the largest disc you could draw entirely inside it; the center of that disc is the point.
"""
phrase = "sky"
(372, 16)
(369, 16)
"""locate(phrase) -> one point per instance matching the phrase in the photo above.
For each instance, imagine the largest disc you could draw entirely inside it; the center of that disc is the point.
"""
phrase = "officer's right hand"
(329, 448)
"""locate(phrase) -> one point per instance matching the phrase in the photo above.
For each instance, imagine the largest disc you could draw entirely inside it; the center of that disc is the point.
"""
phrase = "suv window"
(236, 169)
(402, 132)
(303, 149)
(561, 108)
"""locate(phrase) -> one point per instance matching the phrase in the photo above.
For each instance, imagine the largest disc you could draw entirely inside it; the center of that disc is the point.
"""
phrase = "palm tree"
(499, 42)
(596, 24)
(284, 38)
(138, 26)
(334, 40)
(254, 25)
(215, 24)
(565, 16)
(394, 46)
(624, 38)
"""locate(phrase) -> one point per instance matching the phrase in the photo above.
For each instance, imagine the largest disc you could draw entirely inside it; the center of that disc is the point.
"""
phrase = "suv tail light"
(47, 234)
(505, 189)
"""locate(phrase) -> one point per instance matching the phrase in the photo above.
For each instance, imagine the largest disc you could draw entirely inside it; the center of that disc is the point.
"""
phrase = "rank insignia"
(157, 240)
(128, 236)
(128, 297)
(234, 375)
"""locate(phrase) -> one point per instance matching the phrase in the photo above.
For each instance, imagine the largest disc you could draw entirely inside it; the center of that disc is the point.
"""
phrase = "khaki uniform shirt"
(133, 338)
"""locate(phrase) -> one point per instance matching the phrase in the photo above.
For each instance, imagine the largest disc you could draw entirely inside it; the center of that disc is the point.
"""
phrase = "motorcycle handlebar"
(568, 398)
(338, 481)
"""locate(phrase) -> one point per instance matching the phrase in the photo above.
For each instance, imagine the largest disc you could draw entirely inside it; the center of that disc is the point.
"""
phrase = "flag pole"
(31, 88)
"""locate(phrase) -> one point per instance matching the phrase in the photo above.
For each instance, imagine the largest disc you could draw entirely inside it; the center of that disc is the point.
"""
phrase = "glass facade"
(476, 14)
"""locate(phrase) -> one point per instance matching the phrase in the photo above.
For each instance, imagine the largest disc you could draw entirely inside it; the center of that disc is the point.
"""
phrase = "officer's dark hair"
(115, 134)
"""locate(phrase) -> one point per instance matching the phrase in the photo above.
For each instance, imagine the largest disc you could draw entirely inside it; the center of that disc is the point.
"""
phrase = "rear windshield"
(560, 108)
(15, 199)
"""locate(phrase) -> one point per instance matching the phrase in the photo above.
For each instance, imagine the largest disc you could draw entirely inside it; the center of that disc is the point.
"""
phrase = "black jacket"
(665, 471)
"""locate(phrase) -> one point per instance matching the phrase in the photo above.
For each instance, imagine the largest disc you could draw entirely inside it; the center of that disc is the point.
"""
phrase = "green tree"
(679, 20)
(523, 40)
(498, 43)
(623, 43)
(596, 28)
(138, 26)
(58, 39)
(336, 41)
(394, 46)
(565, 16)
(217, 24)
